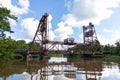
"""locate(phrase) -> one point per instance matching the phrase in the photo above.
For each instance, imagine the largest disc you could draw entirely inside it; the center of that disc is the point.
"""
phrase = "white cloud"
(81, 12)
(49, 21)
(21, 8)
(70, 20)
(114, 37)
(107, 30)
(29, 27)
(63, 31)
(81, 37)
(84, 11)
(103, 40)
(51, 35)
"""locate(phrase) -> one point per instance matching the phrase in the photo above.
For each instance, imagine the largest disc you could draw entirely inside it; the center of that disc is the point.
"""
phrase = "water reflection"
(110, 71)
(61, 69)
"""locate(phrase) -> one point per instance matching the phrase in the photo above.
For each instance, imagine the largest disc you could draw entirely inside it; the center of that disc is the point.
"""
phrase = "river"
(60, 68)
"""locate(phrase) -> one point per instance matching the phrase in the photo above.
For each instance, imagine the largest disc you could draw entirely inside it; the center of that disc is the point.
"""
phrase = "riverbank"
(112, 57)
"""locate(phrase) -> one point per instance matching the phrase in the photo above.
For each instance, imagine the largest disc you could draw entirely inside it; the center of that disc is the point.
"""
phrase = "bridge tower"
(41, 43)
(89, 34)
(40, 39)
(90, 38)
(42, 31)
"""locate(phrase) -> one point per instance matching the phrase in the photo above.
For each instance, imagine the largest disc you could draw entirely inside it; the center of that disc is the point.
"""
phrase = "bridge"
(42, 45)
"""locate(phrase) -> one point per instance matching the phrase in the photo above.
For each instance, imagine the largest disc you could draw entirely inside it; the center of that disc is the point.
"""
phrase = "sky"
(66, 18)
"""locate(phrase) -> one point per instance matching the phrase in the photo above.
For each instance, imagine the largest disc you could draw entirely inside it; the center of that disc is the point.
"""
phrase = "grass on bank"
(112, 57)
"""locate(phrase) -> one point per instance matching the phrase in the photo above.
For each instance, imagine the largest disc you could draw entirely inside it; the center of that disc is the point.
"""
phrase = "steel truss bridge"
(42, 45)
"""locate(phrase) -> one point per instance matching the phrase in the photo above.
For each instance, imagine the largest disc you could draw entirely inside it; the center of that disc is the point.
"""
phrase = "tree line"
(105, 49)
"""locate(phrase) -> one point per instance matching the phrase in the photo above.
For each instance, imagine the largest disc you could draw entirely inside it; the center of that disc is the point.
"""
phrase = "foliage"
(4, 21)
(97, 46)
(21, 44)
(113, 49)
(8, 46)
(117, 49)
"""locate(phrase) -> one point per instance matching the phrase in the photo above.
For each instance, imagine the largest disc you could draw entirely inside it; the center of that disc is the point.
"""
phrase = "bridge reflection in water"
(75, 70)
(61, 69)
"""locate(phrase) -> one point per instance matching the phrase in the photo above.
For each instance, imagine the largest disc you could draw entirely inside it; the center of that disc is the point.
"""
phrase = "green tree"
(97, 46)
(7, 46)
(117, 49)
(5, 15)
(107, 47)
(21, 44)
(117, 43)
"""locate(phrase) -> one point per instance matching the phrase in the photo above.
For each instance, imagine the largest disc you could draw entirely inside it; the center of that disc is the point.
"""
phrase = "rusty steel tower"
(41, 41)
(90, 37)
(40, 37)
(89, 34)
(41, 32)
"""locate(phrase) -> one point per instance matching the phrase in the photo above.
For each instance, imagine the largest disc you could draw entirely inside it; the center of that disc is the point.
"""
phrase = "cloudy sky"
(66, 18)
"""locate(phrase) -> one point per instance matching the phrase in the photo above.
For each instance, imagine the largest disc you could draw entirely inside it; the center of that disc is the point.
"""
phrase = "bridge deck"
(62, 52)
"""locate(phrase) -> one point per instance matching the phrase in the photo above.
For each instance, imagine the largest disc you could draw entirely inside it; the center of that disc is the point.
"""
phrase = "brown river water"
(59, 68)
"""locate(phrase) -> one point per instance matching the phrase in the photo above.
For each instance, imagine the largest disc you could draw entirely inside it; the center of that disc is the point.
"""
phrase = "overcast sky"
(66, 18)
